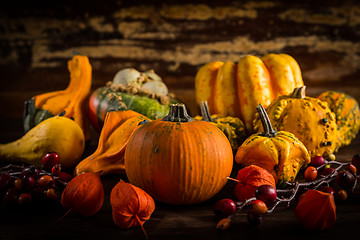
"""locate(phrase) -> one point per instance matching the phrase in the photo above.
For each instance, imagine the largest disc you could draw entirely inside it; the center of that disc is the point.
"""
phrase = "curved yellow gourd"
(55, 134)
(72, 100)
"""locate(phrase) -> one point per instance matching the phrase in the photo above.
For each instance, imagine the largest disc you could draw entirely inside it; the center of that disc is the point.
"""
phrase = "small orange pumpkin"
(177, 160)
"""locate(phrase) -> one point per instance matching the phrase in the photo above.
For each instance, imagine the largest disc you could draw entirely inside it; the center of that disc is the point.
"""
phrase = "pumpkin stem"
(204, 108)
(268, 129)
(178, 113)
(299, 92)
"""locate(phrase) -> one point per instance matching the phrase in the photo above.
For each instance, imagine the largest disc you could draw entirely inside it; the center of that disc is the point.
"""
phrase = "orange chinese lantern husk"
(250, 178)
(84, 194)
(316, 210)
(131, 206)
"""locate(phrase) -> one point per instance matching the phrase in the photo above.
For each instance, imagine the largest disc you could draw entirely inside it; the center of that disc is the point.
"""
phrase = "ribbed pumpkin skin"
(347, 113)
(303, 117)
(236, 89)
(179, 163)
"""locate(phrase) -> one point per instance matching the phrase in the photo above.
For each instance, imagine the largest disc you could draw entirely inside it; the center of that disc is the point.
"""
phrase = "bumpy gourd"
(177, 160)
(70, 102)
(347, 113)
(55, 134)
(142, 92)
(109, 155)
(309, 119)
(281, 153)
(235, 89)
(232, 127)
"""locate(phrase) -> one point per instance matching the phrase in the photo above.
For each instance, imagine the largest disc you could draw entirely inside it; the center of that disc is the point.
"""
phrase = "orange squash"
(109, 155)
(236, 89)
(281, 153)
(70, 102)
(177, 160)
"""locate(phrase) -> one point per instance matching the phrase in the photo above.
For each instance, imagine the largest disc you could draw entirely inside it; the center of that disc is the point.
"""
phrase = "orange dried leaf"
(250, 178)
(316, 210)
(131, 206)
(84, 194)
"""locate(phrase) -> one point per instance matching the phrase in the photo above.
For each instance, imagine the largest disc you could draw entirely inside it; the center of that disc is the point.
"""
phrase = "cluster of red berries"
(22, 184)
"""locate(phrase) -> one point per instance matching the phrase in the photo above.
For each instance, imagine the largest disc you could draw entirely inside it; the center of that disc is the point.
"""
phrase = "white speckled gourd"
(309, 119)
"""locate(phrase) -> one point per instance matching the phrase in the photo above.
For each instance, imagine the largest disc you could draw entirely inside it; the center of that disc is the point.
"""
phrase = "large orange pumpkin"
(236, 89)
(177, 160)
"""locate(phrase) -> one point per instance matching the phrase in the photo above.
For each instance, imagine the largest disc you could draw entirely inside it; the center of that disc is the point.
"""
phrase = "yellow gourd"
(309, 119)
(70, 102)
(279, 152)
(55, 134)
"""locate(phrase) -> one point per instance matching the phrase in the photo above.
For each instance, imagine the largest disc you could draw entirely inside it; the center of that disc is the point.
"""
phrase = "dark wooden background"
(174, 38)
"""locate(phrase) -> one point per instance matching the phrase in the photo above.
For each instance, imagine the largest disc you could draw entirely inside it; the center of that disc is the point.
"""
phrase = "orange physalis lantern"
(249, 179)
(316, 210)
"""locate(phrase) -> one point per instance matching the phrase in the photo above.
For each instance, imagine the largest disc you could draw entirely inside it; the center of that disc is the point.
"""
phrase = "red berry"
(223, 224)
(327, 171)
(317, 161)
(63, 176)
(266, 193)
(5, 180)
(56, 169)
(258, 207)
(29, 182)
(24, 198)
(49, 160)
(345, 179)
(51, 194)
(341, 195)
(356, 160)
(310, 174)
(351, 168)
(224, 208)
(45, 181)
(11, 195)
(328, 189)
(18, 184)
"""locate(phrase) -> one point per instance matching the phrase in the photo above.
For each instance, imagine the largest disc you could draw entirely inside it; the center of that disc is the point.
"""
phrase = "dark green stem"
(177, 113)
(268, 129)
